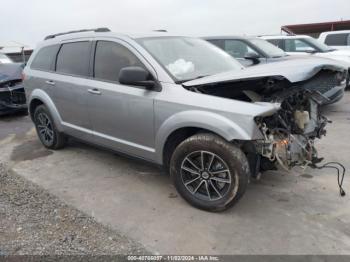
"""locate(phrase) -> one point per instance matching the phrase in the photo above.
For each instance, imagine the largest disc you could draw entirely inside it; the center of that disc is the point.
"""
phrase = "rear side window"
(337, 39)
(110, 58)
(45, 58)
(73, 59)
(276, 42)
(237, 48)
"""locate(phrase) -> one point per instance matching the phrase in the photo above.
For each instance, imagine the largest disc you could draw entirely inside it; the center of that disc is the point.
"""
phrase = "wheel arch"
(40, 97)
(185, 124)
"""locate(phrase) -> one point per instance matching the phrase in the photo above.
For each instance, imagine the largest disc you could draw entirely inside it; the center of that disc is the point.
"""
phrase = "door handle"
(94, 91)
(50, 82)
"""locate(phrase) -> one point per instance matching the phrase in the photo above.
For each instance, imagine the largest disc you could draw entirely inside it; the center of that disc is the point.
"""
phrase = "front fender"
(47, 101)
(213, 122)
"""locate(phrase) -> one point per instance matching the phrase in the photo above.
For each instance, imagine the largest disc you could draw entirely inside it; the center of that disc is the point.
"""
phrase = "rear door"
(122, 116)
(70, 86)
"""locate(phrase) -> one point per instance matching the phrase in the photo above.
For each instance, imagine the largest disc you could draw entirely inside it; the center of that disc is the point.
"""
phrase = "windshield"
(268, 48)
(317, 45)
(187, 58)
(4, 59)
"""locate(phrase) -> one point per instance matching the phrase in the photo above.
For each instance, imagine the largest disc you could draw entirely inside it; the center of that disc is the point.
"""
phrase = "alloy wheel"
(45, 128)
(206, 175)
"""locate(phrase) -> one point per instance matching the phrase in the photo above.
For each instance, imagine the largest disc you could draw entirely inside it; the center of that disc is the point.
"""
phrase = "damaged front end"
(12, 95)
(290, 133)
(12, 98)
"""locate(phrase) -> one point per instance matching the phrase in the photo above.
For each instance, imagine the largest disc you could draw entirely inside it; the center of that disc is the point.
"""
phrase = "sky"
(29, 21)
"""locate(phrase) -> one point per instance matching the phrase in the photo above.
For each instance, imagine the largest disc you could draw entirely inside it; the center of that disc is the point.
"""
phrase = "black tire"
(58, 139)
(226, 156)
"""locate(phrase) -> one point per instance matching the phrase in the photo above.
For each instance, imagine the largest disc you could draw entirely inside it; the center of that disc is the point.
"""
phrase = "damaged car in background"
(12, 96)
(184, 104)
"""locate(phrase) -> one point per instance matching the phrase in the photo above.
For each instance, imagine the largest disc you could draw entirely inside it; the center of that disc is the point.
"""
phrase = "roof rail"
(101, 29)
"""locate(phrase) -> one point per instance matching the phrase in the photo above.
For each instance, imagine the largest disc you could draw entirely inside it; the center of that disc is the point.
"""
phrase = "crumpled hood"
(294, 70)
(11, 71)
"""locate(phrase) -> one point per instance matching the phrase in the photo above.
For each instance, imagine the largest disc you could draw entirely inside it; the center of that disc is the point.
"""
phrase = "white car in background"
(306, 45)
(336, 39)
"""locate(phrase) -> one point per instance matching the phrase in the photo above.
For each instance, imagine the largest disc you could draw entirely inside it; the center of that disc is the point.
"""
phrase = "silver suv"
(179, 102)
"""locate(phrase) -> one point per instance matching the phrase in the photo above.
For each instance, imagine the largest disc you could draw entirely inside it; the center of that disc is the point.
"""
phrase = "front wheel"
(209, 172)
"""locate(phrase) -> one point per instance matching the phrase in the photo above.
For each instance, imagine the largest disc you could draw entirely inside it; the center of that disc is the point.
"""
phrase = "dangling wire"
(340, 178)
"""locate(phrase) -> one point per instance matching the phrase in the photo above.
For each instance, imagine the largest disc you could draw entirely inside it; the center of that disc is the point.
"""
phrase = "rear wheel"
(47, 132)
(209, 172)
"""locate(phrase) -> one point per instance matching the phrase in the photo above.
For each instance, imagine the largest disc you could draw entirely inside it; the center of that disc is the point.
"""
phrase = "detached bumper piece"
(12, 99)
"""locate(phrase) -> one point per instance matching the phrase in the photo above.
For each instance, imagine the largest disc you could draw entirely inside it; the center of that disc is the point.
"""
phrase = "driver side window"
(110, 58)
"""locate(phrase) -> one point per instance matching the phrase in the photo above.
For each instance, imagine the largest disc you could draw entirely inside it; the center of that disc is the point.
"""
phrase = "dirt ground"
(37, 223)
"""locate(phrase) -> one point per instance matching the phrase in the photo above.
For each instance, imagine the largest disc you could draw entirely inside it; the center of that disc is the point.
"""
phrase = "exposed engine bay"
(289, 134)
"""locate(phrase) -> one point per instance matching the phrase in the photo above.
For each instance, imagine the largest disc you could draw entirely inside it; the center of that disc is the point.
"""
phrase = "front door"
(122, 116)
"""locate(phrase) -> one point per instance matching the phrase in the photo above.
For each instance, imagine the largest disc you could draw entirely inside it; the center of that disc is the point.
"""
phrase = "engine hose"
(340, 178)
(281, 163)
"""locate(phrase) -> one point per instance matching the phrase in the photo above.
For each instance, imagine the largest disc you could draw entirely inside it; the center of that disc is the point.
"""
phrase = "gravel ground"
(37, 223)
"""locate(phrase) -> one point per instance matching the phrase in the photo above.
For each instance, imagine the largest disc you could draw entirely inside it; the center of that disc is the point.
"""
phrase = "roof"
(335, 32)
(85, 33)
(316, 28)
(227, 37)
(284, 36)
(58, 38)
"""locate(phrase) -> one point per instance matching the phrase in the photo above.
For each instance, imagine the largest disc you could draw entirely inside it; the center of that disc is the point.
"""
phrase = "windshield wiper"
(200, 77)
(190, 79)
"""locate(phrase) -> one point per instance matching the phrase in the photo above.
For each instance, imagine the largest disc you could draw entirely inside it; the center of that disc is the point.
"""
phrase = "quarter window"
(110, 58)
(73, 59)
(45, 58)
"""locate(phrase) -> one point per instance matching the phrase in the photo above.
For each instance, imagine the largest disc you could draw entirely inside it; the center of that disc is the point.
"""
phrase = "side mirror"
(252, 56)
(135, 76)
